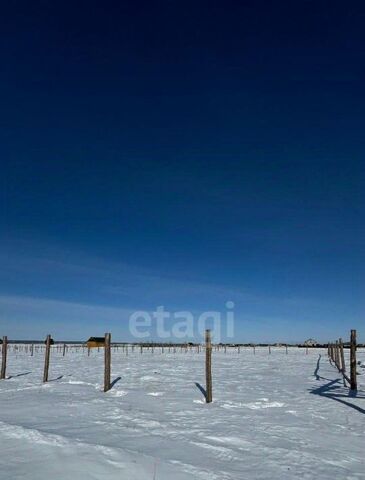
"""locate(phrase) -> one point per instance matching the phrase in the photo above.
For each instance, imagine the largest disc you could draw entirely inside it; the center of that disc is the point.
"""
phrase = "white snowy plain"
(273, 416)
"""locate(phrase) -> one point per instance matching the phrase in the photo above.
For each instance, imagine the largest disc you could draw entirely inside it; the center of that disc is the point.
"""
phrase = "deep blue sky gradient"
(182, 154)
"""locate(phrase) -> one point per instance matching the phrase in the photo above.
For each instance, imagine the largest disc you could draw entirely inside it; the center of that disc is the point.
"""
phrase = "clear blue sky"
(182, 154)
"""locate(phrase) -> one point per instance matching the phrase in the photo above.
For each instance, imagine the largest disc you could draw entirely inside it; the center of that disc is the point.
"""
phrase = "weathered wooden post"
(208, 367)
(107, 362)
(353, 384)
(337, 356)
(46, 359)
(4, 352)
(342, 356)
(64, 350)
(31, 350)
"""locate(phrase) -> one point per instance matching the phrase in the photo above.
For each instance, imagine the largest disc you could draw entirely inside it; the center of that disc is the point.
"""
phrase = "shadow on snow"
(335, 391)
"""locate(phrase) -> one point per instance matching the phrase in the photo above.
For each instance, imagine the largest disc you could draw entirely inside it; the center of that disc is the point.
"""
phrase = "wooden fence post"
(64, 350)
(337, 356)
(334, 352)
(46, 359)
(208, 366)
(342, 356)
(107, 362)
(3, 358)
(353, 378)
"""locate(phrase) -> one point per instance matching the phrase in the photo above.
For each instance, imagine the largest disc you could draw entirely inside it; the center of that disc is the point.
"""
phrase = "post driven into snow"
(107, 362)
(46, 359)
(4, 352)
(353, 384)
(342, 356)
(208, 367)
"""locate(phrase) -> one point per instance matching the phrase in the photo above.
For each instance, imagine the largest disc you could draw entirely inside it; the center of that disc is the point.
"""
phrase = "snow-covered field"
(273, 416)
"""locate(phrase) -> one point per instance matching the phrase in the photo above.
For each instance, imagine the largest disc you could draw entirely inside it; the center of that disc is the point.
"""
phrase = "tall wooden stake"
(107, 362)
(208, 366)
(337, 356)
(46, 359)
(342, 356)
(353, 378)
(3, 358)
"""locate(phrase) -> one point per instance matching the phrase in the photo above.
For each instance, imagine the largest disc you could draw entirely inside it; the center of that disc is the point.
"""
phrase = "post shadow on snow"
(18, 375)
(114, 382)
(202, 389)
(317, 368)
(55, 379)
(315, 373)
(334, 391)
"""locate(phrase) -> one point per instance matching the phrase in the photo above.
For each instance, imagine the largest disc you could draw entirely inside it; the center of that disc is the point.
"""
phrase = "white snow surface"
(273, 416)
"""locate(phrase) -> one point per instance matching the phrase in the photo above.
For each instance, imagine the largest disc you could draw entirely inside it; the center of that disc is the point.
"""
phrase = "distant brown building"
(95, 342)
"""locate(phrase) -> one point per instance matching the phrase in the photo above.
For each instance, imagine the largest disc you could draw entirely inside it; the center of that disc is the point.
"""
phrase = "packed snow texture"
(273, 416)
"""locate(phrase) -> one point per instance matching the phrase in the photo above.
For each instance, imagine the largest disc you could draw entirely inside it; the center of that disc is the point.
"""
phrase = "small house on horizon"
(95, 342)
(311, 342)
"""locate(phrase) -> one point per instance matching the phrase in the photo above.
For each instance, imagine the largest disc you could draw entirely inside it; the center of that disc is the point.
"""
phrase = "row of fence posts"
(107, 362)
(336, 355)
(64, 348)
(335, 352)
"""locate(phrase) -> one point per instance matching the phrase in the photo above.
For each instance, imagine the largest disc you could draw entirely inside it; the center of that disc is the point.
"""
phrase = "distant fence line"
(74, 343)
(335, 353)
